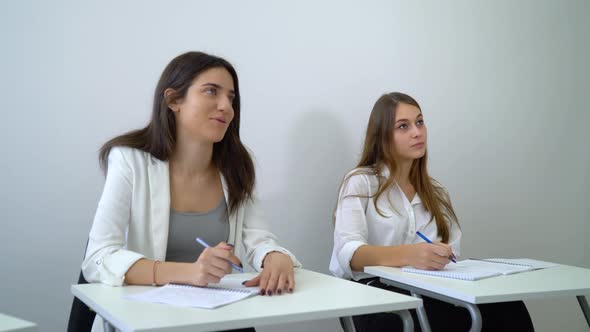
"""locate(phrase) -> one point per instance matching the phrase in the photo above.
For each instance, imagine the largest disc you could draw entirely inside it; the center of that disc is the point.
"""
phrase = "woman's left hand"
(276, 276)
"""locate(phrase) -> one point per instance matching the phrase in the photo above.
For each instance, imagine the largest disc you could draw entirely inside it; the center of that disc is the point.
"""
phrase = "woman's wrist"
(398, 255)
(171, 272)
(269, 254)
(403, 254)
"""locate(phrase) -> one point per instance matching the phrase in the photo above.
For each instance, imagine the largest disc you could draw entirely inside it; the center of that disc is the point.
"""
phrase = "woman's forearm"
(142, 273)
(368, 255)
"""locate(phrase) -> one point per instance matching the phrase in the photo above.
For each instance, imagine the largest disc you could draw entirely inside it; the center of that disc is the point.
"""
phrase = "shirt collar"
(416, 200)
(385, 173)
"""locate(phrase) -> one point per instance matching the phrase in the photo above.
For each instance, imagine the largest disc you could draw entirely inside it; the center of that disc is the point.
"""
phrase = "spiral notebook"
(532, 263)
(229, 290)
(471, 269)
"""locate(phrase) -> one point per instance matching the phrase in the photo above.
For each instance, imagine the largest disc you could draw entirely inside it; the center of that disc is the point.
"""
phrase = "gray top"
(211, 226)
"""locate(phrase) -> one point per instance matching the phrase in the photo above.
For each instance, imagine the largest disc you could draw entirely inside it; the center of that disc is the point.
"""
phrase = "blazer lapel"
(231, 217)
(159, 187)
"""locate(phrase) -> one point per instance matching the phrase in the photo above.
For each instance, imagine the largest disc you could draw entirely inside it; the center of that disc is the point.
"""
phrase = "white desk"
(12, 324)
(562, 280)
(316, 296)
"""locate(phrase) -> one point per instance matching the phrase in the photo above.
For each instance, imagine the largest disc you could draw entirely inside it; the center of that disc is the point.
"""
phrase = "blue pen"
(428, 240)
(204, 244)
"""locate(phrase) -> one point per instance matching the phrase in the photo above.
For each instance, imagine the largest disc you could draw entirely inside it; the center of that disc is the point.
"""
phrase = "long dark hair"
(159, 136)
(377, 155)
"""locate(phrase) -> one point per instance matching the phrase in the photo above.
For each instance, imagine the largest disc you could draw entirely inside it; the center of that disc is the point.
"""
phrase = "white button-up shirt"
(358, 222)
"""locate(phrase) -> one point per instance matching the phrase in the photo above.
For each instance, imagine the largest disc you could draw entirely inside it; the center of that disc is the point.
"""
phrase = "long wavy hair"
(377, 155)
(159, 136)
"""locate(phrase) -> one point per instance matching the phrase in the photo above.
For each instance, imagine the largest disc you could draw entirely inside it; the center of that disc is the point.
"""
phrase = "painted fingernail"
(269, 292)
(241, 265)
(290, 290)
(244, 282)
(279, 291)
(262, 292)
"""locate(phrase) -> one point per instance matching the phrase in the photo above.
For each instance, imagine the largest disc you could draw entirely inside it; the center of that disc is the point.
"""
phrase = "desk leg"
(421, 312)
(475, 316)
(347, 324)
(476, 320)
(107, 327)
(472, 308)
(406, 320)
(584, 304)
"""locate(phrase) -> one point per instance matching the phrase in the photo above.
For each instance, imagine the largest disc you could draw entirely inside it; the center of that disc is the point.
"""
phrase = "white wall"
(503, 85)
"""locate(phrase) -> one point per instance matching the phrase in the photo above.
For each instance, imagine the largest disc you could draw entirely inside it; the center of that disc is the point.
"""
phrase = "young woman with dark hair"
(185, 175)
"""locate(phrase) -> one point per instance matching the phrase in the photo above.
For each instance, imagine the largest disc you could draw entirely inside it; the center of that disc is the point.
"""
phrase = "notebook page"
(533, 263)
(501, 268)
(213, 296)
(463, 270)
(229, 281)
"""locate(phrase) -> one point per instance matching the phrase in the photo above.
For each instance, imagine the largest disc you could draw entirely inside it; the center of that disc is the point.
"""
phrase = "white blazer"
(132, 220)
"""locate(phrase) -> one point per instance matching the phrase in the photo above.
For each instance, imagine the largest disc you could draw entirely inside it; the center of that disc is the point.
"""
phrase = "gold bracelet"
(154, 269)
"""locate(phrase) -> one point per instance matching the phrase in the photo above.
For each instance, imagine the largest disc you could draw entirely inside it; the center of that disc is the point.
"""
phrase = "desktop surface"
(316, 296)
(562, 280)
(9, 323)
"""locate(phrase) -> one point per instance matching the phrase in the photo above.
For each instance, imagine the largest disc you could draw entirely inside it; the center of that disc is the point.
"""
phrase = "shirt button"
(98, 261)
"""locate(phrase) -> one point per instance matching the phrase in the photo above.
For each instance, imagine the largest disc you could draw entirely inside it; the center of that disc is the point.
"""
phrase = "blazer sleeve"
(257, 240)
(350, 229)
(107, 260)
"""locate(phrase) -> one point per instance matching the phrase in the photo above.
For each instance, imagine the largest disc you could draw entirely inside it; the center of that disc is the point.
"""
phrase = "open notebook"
(532, 263)
(475, 269)
(228, 290)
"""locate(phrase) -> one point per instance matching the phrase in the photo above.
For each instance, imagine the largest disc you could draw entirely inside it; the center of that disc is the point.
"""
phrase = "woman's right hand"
(213, 264)
(429, 256)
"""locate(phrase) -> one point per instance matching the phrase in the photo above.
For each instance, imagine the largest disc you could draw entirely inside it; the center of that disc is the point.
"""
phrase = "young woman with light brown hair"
(384, 201)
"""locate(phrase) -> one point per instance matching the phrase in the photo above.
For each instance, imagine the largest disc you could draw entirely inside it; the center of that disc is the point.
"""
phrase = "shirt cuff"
(112, 269)
(345, 256)
(264, 250)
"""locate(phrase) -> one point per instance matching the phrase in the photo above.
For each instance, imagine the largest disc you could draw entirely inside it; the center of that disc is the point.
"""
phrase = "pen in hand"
(452, 258)
(204, 244)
